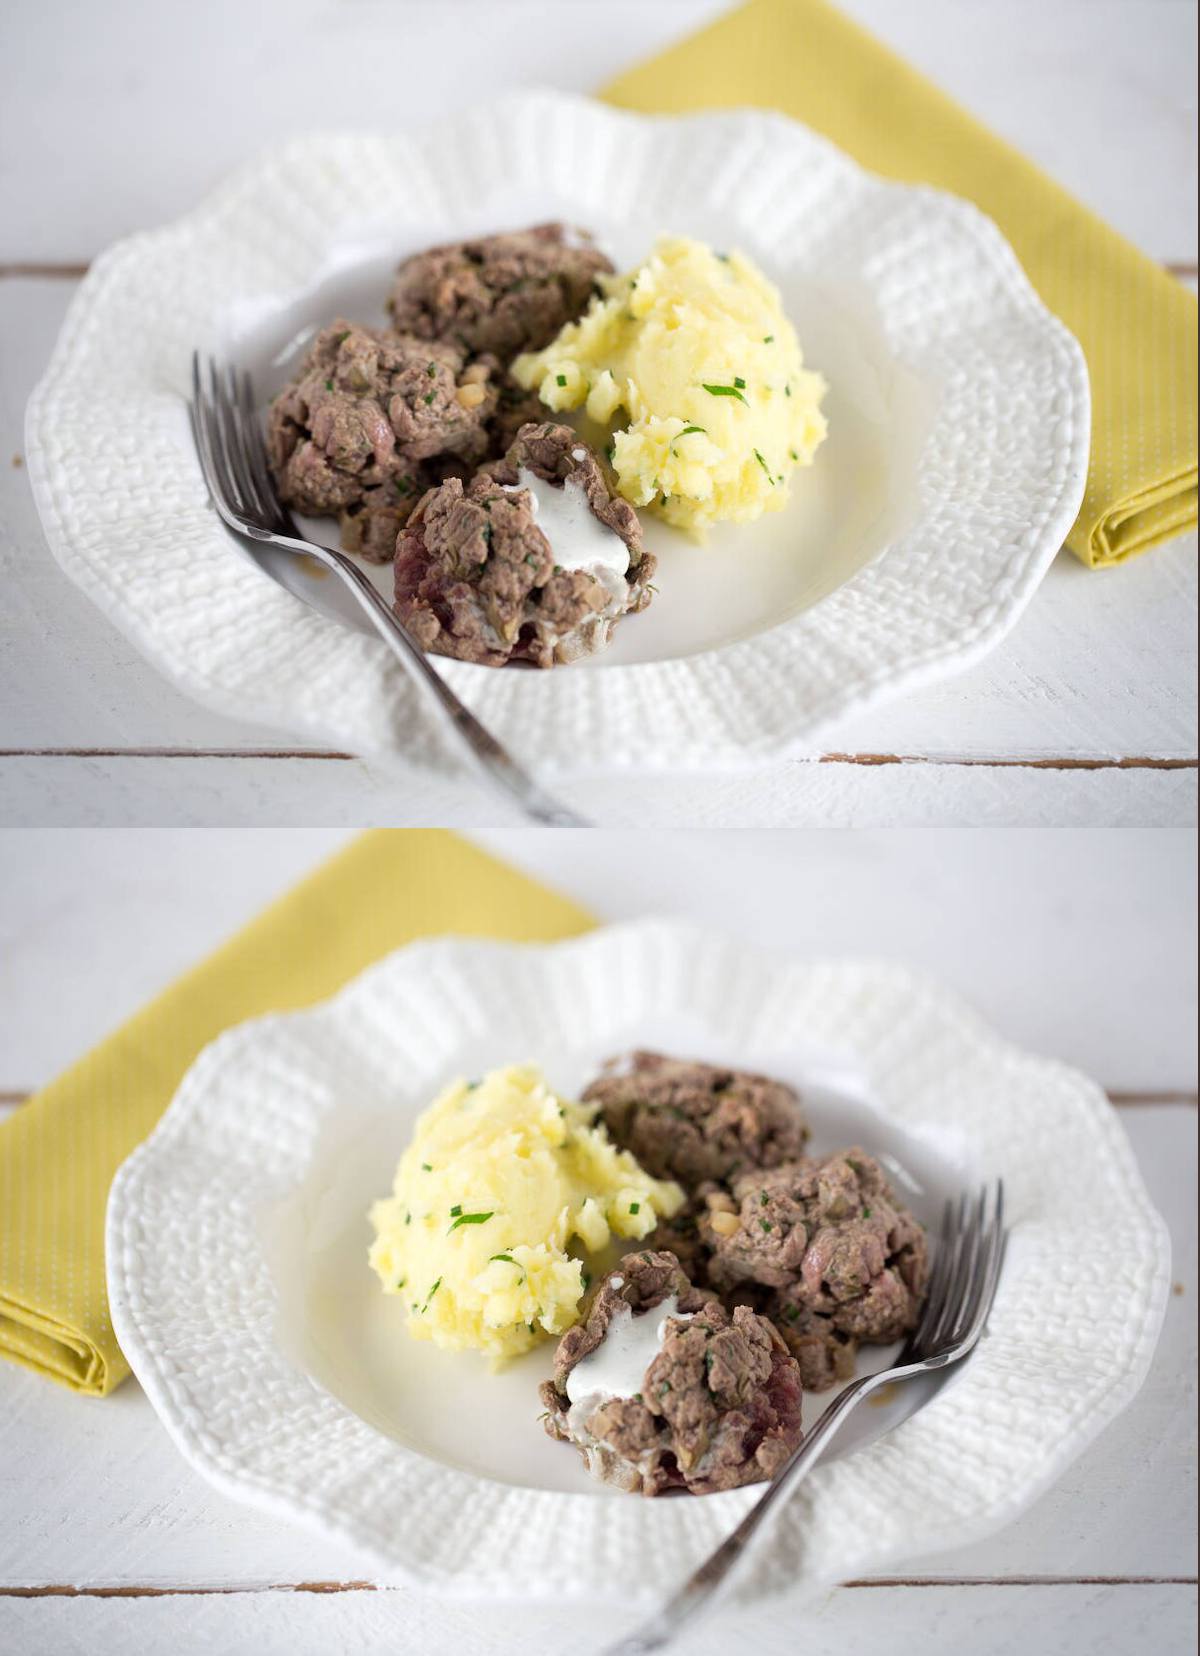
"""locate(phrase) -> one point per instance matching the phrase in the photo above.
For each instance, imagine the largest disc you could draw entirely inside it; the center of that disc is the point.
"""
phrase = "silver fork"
(962, 1286)
(233, 458)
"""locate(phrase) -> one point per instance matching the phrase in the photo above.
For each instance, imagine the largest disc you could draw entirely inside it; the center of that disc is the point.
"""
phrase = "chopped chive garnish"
(866, 1213)
(635, 1207)
(431, 370)
(637, 1397)
(531, 558)
(470, 1219)
(664, 1388)
(762, 1198)
(609, 451)
(430, 1295)
(687, 431)
(426, 1168)
(724, 391)
(764, 466)
(329, 385)
(506, 1259)
(787, 390)
(487, 535)
(401, 1283)
(793, 454)
(560, 379)
(766, 1224)
(428, 397)
(740, 383)
(768, 339)
(455, 1211)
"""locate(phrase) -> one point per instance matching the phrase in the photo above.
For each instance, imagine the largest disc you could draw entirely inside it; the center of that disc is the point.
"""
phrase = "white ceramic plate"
(241, 1295)
(955, 463)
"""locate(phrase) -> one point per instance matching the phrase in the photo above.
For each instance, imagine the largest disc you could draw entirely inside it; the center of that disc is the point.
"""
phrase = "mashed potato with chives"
(692, 361)
(501, 1176)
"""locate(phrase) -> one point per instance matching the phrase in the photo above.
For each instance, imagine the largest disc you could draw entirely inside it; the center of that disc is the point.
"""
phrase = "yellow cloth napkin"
(1136, 324)
(59, 1152)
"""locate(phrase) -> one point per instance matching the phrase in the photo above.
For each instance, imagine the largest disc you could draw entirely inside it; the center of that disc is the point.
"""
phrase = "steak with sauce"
(477, 578)
(717, 1405)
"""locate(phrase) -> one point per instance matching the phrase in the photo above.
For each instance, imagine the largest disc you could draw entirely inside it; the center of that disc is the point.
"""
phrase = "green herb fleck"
(637, 1397)
(531, 559)
(431, 370)
(766, 1225)
(609, 452)
(560, 379)
(725, 391)
(329, 385)
(740, 383)
(635, 1207)
(428, 398)
(664, 1388)
(401, 1283)
(455, 1211)
(762, 1198)
(687, 431)
(764, 466)
(768, 339)
(787, 390)
(506, 1259)
(470, 1219)
(426, 1168)
(793, 454)
(430, 1295)
(866, 1213)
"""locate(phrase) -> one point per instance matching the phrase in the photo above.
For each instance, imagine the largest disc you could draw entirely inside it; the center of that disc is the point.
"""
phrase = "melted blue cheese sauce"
(617, 1367)
(577, 538)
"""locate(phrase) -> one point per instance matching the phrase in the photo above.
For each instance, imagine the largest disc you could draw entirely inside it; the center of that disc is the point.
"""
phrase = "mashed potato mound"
(500, 1177)
(693, 346)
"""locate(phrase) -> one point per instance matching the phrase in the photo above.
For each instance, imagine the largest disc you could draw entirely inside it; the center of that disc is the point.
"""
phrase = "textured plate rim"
(706, 712)
(691, 959)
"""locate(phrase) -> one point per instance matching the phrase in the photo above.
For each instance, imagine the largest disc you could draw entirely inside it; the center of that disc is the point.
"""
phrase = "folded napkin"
(1136, 324)
(59, 1152)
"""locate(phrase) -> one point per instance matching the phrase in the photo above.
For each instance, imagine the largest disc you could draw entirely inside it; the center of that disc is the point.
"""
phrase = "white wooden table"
(120, 116)
(109, 1542)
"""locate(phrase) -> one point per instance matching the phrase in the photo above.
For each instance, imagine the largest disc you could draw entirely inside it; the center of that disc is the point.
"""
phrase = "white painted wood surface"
(1101, 668)
(1080, 944)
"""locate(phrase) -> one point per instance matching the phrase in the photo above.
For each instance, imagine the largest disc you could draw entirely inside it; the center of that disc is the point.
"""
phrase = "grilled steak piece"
(695, 1122)
(364, 411)
(830, 1237)
(699, 1398)
(478, 578)
(501, 294)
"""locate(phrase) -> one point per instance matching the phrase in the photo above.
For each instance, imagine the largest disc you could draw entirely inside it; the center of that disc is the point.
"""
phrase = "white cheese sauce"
(577, 537)
(618, 1365)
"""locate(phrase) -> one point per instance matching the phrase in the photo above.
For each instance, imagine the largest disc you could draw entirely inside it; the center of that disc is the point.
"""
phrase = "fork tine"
(238, 447)
(989, 1274)
(202, 430)
(953, 1284)
(934, 1287)
(256, 454)
(971, 1272)
(221, 441)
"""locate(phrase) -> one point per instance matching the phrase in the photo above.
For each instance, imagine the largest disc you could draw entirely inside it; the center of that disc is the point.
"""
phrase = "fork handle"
(477, 743)
(720, 1569)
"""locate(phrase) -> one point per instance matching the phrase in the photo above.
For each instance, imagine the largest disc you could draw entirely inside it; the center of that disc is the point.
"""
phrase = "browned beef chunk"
(695, 1122)
(364, 411)
(824, 1353)
(830, 1236)
(477, 578)
(719, 1402)
(501, 294)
